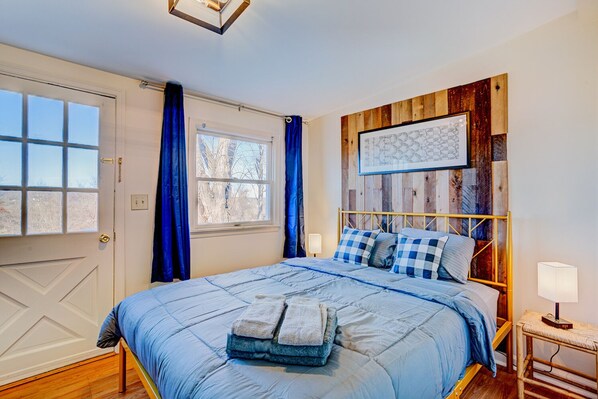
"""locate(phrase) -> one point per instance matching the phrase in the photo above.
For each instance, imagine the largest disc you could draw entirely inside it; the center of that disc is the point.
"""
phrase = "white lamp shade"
(557, 282)
(315, 243)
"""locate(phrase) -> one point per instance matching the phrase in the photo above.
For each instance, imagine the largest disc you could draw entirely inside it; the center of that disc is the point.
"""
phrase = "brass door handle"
(104, 238)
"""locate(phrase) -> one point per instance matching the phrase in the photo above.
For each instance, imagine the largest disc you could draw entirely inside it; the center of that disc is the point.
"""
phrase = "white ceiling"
(304, 57)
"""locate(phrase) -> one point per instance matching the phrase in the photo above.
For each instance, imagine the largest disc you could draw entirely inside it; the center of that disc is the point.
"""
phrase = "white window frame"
(196, 127)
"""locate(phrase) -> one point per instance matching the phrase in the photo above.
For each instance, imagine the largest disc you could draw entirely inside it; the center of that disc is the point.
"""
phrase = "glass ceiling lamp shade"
(214, 15)
(315, 243)
(557, 282)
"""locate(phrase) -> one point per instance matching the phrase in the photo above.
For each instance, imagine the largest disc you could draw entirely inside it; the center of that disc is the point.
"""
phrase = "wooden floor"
(99, 379)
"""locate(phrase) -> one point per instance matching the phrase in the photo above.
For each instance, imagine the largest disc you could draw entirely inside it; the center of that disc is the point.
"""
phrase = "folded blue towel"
(266, 349)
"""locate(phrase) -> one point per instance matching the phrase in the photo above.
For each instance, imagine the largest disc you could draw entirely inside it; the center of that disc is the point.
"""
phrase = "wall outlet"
(138, 202)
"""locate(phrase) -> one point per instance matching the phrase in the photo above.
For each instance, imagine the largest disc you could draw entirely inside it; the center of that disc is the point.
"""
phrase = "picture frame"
(429, 144)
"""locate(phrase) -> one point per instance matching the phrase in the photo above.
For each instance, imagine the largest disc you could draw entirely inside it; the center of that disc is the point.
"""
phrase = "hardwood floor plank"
(99, 380)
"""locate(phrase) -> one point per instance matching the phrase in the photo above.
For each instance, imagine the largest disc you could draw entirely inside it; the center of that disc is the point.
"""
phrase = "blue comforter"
(397, 336)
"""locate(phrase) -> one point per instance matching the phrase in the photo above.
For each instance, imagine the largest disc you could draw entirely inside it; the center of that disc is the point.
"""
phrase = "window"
(233, 182)
(48, 165)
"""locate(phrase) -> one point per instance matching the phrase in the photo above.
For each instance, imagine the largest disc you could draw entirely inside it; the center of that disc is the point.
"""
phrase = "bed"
(397, 336)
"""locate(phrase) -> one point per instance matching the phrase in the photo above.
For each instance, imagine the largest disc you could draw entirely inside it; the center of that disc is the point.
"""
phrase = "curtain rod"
(144, 84)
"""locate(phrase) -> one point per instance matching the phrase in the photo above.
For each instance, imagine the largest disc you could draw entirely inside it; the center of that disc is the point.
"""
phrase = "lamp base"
(557, 323)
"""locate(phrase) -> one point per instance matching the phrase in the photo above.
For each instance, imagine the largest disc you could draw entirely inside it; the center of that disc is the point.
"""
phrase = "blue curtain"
(171, 232)
(294, 229)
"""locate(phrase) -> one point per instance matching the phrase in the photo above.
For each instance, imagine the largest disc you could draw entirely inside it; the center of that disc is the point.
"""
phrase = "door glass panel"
(11, 113)
(45, 166)
(10, 213)
(10, 163)
(82, 212)
(44, 212)
(83, 168)
(45, 117)
(84, 124)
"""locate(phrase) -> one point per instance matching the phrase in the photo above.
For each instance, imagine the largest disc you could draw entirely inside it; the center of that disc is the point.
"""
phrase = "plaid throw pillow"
(356, 246)
(419, 257)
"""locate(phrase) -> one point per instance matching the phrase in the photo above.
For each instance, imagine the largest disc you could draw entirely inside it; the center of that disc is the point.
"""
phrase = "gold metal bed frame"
(500, 244)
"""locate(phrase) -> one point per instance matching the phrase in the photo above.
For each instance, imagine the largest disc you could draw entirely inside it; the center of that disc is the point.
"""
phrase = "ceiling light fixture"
(214, 15)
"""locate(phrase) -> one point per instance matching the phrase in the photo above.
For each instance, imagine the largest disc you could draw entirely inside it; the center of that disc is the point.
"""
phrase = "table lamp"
(315, 244)
(558, 283)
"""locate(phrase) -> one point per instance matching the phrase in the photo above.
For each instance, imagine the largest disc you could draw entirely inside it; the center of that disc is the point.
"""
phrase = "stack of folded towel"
(303, 333)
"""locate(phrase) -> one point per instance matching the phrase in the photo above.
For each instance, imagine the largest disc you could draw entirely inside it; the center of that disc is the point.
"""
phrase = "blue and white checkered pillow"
(356, 246)
(419, 257)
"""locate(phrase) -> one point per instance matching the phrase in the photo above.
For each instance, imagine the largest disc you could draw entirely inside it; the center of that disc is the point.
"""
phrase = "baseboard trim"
(57, 370)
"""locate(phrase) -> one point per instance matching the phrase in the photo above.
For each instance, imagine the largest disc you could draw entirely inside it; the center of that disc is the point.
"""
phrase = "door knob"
(104, 238)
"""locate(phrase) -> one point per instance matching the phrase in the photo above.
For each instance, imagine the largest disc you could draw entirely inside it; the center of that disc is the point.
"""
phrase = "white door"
(56, 199)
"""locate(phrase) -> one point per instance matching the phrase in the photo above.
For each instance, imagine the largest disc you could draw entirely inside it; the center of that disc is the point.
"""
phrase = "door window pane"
(83, 168)
(11, 113)
(10, 213)
(84, 124)
(10, 163)
(45, 166)
(44, 212)
(82, 212)
(45, 116)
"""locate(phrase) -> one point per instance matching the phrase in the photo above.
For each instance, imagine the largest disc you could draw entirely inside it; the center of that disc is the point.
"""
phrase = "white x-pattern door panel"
(56, 198)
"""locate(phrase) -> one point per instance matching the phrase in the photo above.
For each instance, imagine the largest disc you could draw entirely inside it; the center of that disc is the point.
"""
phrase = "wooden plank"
(352, 206)
(417, 108)
(442, 197)
(500, 195)
(407, 192)
(419, 197)
(345, 162)
(373, 183)
(441, 103)
(499, 104)
(359, 180)
(499, 147)
(405, 111)
(483, 152)
(397, 198)
(500, 206)
(430, 105)
(386, 115)
(430, 197)
(387, 192)
(455, 188)
(352, 151)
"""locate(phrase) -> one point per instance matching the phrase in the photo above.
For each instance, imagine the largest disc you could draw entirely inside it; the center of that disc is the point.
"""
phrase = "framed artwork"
(429, 144)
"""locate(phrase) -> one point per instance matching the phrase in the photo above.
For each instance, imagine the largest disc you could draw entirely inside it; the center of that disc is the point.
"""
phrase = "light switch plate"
(138, 202)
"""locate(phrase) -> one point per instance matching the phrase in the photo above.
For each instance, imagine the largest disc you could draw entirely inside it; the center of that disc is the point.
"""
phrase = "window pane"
(84, 124)
(82, 212)
(83, 168)
(45, 116)
(44, 212)
(10, 213)
(11, 113)
(231, 202)
(10, 163)
(45, 165)
(226, 158)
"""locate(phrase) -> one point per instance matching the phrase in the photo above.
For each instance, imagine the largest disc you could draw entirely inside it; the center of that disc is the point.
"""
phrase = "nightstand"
(582, 337)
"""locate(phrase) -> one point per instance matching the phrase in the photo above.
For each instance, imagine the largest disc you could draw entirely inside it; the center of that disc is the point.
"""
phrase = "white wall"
(552, 152)
(141, 130)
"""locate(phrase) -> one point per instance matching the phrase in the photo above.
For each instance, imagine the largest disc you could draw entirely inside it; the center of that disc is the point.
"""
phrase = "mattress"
(396, 337)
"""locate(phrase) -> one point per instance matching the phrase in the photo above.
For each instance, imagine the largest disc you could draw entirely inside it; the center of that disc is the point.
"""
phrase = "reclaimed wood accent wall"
(480, 189)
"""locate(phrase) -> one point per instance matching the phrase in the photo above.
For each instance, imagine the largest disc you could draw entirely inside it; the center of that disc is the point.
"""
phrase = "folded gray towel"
(261, 318)
(270, 349)
(304, 322)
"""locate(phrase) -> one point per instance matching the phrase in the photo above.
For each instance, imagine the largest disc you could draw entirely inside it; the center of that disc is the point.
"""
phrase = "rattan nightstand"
(582, 337)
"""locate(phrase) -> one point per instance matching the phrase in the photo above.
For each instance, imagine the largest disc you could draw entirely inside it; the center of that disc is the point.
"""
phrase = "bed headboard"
(492, 259)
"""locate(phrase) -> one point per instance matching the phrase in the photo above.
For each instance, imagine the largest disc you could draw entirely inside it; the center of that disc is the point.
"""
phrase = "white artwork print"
(435, 144)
